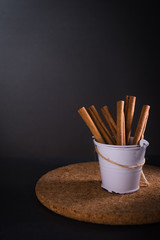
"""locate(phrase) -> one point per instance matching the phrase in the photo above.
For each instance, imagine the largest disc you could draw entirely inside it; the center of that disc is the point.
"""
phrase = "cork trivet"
(75, 191)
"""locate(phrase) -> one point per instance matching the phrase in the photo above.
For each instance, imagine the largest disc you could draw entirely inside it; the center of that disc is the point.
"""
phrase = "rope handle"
(125, 166)
(118, 164)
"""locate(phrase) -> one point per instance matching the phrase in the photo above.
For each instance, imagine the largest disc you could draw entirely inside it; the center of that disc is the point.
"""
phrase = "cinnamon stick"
(126, 105)
(129, 116)
(144, 128)
(125, 112)
(124, 131)
(100, 125)
(87, 119)
(141, 124)
(109, 119)
(120, 123)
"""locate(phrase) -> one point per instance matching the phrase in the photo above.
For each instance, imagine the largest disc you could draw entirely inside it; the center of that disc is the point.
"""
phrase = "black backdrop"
(56, 56)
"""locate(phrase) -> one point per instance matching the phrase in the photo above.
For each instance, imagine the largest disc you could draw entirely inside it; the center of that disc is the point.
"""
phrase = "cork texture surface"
(75, 191)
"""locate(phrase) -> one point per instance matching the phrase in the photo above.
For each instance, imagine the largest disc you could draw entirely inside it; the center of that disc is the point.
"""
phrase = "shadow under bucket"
(121, 166)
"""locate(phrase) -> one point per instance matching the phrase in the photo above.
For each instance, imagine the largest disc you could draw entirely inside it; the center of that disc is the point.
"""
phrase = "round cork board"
(75, 191)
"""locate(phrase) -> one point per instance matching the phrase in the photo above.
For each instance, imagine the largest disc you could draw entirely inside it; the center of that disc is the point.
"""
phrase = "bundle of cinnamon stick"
(119, 131)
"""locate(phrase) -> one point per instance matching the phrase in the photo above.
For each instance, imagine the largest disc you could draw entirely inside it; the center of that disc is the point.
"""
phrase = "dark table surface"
(22, 216)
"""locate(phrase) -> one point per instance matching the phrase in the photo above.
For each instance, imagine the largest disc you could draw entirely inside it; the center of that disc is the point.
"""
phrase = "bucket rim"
(115, 146)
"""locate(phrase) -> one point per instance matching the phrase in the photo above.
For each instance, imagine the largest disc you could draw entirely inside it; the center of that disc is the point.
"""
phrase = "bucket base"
(119, 192)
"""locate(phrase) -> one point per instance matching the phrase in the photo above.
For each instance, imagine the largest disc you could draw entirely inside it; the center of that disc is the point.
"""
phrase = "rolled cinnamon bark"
(141, 124)
(126, 105)
(87, 119)
(129, 116)
(125, 112)
(144, 128)
(124, 131)
(100, 125)
(120, 123)
(109, 119)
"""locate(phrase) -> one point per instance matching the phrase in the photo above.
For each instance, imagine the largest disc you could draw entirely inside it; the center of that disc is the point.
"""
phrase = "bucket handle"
(118, 164)
(125, 166)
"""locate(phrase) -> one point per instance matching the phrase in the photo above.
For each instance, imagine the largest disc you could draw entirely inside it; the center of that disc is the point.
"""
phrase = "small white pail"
(121, 166)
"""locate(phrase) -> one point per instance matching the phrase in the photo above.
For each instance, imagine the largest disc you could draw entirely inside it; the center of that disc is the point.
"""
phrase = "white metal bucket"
(116, 178)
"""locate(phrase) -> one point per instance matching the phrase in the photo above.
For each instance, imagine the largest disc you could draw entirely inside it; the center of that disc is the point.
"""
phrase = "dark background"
(55, 57)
